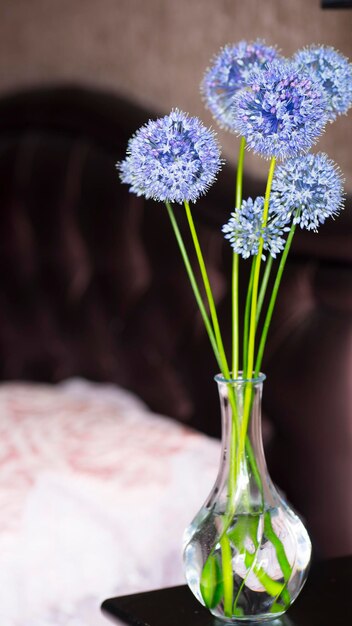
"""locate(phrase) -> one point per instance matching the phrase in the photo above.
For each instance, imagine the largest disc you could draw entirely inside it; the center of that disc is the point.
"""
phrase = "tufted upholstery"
(92, 285)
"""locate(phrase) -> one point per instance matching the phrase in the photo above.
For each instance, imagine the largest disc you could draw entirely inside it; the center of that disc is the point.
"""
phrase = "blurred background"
(154, 53)
(91, 282)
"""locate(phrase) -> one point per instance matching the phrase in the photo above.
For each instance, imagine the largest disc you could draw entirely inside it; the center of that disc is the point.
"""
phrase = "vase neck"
(243, 467)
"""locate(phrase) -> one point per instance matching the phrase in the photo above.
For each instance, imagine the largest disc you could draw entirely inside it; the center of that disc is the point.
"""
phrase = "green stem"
(223, 361)
(225, 547)
(271, 586)
(253, 317)
(273, 299)
(235, 324)
(257, 544)
(264, 285)
(226, 557)
(193, 283)
(253, 463)
(258, 258)
(279, 548)
(246, 317)
(239, 175)
(235, 267)
(208, 291)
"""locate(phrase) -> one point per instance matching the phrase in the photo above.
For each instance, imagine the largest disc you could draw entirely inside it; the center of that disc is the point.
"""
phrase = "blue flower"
(309, 189)
(174, 158)
(229, 72)
(282, 113)
(244, 229)
(334, 71)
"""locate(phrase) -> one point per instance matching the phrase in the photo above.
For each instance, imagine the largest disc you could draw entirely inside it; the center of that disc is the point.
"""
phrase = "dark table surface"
(326, 600)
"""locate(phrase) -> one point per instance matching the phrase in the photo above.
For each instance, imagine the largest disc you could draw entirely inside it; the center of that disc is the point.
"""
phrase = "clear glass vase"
(246, 553)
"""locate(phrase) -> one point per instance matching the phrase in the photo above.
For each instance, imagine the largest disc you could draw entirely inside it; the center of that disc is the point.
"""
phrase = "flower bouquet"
(246, 553)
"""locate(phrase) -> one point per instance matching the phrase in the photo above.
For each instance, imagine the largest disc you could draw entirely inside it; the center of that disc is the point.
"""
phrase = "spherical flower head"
(229, 72)
(283, 111)
(334, 71)
(174, 158)
(244, 230)
(308, 189)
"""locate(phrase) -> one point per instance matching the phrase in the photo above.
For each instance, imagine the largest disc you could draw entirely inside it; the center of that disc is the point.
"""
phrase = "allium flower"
(282, 113)
(174, 158)
(229, 72)
(309, 188)
(334, 71)
(244, 230)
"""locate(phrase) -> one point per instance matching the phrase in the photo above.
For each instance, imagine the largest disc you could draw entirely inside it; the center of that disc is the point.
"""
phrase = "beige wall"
(155, 51)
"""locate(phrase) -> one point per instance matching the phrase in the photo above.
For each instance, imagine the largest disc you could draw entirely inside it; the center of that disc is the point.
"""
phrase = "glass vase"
(246, 553)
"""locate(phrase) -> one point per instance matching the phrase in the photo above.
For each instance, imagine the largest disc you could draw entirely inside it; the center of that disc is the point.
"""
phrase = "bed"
(95, 492)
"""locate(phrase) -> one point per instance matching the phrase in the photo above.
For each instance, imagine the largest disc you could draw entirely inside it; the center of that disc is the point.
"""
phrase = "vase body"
(246, 553)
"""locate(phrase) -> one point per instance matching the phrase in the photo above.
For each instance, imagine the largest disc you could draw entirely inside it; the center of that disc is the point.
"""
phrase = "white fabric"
(95, 492)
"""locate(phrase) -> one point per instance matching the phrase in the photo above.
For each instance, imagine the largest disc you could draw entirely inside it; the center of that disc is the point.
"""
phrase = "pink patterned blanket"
(95, 491)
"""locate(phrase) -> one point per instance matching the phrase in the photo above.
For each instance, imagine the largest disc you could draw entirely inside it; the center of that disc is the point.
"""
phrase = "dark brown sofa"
(92, 285)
